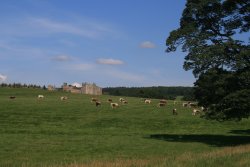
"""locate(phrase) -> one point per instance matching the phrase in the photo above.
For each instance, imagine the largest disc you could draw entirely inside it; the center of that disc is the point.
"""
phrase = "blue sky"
(108, 42)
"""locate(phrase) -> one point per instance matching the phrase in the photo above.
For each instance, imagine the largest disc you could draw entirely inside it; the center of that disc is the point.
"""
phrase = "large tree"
(215, 36)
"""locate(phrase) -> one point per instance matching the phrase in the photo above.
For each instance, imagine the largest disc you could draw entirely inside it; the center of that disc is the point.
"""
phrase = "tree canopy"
(215, 36)
(160, 92)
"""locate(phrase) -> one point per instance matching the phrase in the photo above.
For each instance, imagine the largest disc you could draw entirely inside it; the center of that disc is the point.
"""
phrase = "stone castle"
(86, 88)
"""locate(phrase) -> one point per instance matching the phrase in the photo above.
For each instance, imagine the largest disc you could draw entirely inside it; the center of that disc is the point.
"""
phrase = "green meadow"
(76, 133)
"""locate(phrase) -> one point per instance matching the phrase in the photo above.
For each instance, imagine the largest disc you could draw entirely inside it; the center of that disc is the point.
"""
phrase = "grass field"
(75, 133)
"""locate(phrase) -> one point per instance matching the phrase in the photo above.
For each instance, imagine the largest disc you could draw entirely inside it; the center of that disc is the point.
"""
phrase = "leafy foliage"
(209, 32)
(235, 104)
(152, 92)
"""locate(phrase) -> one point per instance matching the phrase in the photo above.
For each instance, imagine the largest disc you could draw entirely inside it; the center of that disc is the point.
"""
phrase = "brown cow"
(163, 101)
(161, 104)
(175, 111)
(193, 105)
(12, 97)
(97, 103)
(184, 104)
(203, 109)
(110, 100)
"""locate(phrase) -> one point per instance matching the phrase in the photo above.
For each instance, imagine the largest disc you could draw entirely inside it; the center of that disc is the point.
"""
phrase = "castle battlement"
(87, 88)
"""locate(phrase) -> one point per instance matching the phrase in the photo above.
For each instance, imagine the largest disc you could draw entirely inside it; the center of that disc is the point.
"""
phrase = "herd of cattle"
(161, 103)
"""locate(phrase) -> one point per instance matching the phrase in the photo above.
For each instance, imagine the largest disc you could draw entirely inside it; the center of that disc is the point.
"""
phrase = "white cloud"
(147, 44)
(62, 58)
(83, 27)
(60, 27)
(110, 61)
(15, 50)
(82, 67)
(32, 26)
(3, 78)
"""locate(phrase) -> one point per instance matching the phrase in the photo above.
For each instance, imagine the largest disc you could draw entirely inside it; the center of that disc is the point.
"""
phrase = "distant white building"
(77, 85)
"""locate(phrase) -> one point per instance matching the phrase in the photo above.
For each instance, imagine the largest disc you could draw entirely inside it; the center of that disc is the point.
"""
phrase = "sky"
(107, 42)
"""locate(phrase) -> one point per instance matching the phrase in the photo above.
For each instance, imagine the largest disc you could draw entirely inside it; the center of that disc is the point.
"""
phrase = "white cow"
(125, 102)
(40, 96)
(121, 100)
(93, 99)
(147, 101)
(64, 98)
(195, 112)
(114, 105)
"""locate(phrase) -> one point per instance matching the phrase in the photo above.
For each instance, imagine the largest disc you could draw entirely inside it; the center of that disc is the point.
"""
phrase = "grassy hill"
(76, 133)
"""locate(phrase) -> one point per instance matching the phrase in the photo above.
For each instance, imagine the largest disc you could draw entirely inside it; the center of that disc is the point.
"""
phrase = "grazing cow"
(175, 111)
(110, 100)
(192, 104)
(40, 97)
(203, 109)
(97, 103)
(161, 104)
(125, 102)
(163, 101)
(147, 101)
(94, 99)
(64, 98)
(121, 100)
(195, 112)
(12, 97)
(184, 104)
(114, 105)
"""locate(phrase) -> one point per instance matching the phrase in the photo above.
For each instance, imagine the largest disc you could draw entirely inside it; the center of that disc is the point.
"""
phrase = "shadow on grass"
(242, 132)
(214, 140)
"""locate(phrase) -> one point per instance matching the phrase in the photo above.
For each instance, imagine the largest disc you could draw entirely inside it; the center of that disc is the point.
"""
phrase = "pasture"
(76, 133)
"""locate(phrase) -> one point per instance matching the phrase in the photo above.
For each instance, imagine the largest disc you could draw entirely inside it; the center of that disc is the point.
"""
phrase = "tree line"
(20, 85)
(160, 92)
